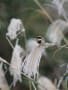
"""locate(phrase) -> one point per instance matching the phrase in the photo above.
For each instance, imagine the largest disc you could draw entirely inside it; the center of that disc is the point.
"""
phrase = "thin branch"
(34, 86)
(62, 78)
(10, 42)
(30, 86)
(4, 61)
(57, 50)
(25, 39)
(28, 78)
(64, 46)
(44, 11)
(60, 81)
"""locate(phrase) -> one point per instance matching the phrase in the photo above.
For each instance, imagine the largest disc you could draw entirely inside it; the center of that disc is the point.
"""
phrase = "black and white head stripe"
(39, 39)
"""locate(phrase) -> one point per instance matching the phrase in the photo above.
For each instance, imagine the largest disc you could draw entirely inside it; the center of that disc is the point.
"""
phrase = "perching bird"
(31, 63)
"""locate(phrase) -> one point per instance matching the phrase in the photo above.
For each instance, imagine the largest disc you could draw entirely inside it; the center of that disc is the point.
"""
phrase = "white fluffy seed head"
(16, 63)
(55, 31)
(31, 62)
(3, 82)
(15, 27)
(45, 84)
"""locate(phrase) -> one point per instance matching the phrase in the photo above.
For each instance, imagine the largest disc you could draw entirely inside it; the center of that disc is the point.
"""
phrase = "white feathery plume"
(3, 82)
(45, 84)
(31, 62)
(56, 30)
(15, 28)
(16, 63)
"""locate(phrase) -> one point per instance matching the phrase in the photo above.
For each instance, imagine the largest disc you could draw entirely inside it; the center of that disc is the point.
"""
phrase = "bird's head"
(40, 40)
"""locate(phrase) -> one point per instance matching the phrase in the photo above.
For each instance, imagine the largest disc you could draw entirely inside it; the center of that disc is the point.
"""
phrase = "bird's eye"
(39, 41)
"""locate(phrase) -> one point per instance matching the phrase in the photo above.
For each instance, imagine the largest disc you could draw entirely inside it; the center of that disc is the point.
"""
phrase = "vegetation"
(45, 18)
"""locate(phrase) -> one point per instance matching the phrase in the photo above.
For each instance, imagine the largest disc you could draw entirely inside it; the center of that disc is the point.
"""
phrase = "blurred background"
(35, 23)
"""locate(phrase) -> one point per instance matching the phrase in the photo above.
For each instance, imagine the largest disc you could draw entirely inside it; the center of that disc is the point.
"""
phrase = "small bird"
(31, 62)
